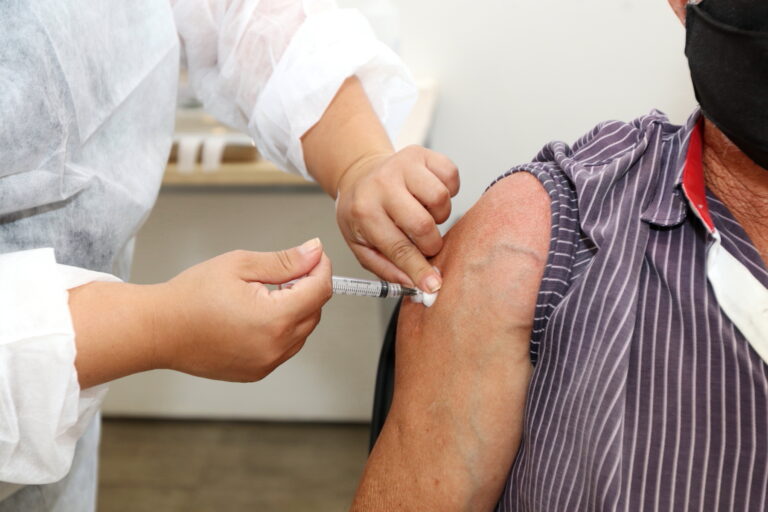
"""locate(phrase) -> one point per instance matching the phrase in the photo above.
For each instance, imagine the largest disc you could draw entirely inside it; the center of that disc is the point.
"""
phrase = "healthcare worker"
(87, 101)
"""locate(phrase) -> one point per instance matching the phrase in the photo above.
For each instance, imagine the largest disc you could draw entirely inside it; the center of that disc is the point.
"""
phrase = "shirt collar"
(681, 184)
(692, 182)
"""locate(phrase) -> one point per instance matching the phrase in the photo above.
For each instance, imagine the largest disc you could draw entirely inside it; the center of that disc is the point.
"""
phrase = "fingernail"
(432, 284)
(437, 270)
(310, 246)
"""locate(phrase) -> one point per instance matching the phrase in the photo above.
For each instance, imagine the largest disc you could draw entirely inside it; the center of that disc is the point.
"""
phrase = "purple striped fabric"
(644, 395)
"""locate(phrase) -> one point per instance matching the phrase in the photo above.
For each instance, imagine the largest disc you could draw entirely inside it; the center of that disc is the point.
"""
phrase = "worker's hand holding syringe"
(217, 319)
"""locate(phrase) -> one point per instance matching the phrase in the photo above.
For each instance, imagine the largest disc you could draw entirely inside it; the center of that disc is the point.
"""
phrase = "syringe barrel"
(365, 288)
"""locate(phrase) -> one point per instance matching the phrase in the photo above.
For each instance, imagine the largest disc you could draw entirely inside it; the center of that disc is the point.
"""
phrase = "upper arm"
(463, 365)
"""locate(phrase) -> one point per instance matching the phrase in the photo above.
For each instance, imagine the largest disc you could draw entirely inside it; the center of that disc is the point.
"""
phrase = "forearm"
(348, 134)
(117, 330)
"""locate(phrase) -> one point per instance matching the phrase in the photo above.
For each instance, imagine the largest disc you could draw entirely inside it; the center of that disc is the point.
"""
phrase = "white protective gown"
(87, 101)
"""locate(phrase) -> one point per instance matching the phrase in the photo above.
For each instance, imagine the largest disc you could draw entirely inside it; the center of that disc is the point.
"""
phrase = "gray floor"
(172, 466)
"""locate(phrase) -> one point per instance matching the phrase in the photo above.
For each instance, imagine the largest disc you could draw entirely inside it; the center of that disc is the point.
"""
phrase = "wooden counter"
(260, 173)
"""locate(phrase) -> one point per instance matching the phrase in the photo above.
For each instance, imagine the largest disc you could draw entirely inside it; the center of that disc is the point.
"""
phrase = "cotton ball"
(424, 298)
(429, 299)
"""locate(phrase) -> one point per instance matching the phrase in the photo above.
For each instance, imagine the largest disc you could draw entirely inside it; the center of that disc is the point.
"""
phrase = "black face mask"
(727, 49)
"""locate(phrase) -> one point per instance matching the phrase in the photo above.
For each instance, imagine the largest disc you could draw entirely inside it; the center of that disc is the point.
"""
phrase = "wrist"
(359, 167)
(117, 330)
(348, 131)
(150, 332)
(163, 326)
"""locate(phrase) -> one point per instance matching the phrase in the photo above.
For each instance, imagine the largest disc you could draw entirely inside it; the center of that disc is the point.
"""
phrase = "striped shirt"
(644, 395)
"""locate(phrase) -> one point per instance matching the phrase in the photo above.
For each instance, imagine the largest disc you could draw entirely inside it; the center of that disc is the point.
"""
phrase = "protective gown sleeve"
(43, 411)
(272, 67)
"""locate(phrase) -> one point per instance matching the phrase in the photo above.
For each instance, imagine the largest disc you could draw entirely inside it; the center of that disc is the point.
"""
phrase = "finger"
(292, 351)
(307, 296)
(445, 169)
(307, 326)
(431, 192)
(373, 260)
(301, 334)
(393, 244)
(281, 266)
(416, 222)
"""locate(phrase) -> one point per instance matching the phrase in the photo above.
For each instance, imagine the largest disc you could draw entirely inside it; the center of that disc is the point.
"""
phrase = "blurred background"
(498, 80)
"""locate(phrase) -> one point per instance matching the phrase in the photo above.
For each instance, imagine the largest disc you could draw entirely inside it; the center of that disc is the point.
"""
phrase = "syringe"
(367, 288)
(381, 289)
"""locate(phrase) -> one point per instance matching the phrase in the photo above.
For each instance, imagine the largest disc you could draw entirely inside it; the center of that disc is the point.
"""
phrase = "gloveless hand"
(224, 323)
(216, 319)
(388, 208)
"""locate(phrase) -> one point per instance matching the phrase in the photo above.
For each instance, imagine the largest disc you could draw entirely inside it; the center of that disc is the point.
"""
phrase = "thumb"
(281, 266)
(308, 295)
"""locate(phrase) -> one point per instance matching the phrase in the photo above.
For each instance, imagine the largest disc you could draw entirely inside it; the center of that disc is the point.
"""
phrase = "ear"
(679, 7)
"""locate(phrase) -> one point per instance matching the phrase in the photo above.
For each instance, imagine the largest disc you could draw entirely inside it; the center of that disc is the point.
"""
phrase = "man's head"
(727, 45)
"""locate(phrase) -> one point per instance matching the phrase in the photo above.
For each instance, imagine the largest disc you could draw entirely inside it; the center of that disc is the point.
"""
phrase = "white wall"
(515, 74)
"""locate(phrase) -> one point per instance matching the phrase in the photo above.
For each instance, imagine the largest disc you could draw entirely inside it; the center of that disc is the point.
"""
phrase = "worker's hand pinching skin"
(227, 325)
(388, 208)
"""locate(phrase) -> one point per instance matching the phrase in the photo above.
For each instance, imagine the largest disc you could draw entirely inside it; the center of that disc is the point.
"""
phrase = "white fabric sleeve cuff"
(43, 412)
(328, 48)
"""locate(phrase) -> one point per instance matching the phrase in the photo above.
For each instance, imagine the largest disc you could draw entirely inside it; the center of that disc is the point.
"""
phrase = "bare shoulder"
(494, 257)
(515, 211)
